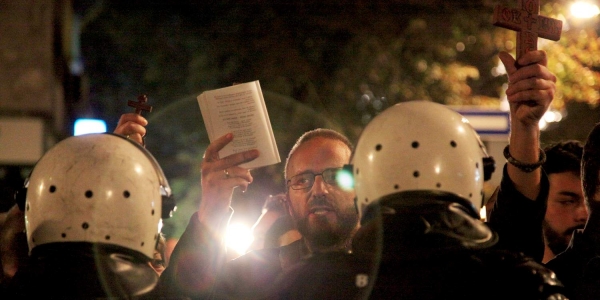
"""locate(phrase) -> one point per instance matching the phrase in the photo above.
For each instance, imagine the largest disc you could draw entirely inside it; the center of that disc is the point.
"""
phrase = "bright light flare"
(239, 237)
(543, 124)
(584, 10)
(483, 214)
(550, 116)
(85, 126)
(345, 180)
(553, 116)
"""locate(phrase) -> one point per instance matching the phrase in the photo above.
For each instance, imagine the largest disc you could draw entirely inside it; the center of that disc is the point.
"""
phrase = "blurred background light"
(584, 10)
(85, 126)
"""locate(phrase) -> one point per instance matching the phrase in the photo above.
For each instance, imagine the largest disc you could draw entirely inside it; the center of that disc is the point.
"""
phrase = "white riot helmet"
(419, 145)
(96, 188)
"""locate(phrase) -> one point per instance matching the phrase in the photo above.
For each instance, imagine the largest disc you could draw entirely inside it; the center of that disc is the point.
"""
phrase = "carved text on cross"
(528, 24)
(140, 104)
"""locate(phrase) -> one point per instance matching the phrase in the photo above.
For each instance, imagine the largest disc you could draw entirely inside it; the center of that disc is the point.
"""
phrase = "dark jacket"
(80, 270)
(518, 220)
(198, 252)
(421, 245)
(579, 265)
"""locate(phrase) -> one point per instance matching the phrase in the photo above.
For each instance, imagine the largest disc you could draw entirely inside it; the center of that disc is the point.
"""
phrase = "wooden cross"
(528, 24)
(140, 104)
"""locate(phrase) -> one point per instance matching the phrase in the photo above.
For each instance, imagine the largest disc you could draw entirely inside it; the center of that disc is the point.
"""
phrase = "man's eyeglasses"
(306, 180)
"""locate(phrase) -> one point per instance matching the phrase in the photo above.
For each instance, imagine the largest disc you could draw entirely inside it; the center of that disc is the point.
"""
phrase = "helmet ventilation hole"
(142, 244)
(470, 195)
(85, 225)
(378, 147)
(126, 194)
(416, 174)
(438, 185)
(415, 144)
(89, 194)
(453, 144)
(396, 186)
(64, 235)
(107, 237)
(52, 189)
(153, 212)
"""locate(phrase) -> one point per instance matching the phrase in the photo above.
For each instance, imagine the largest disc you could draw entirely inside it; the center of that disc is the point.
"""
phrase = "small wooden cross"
(528, 24)
(140, 105)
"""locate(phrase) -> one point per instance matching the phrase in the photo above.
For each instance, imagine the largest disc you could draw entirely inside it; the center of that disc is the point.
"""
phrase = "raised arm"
(530, 92)
(200, 253)
(519, 210)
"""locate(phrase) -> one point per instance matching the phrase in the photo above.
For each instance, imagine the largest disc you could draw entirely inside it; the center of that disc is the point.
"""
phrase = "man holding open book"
(322, 210)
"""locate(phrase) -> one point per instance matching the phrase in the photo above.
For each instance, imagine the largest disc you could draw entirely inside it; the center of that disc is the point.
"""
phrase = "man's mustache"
(320, 201)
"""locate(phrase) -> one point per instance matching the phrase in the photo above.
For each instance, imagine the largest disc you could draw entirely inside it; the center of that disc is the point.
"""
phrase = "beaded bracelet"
(525, 167)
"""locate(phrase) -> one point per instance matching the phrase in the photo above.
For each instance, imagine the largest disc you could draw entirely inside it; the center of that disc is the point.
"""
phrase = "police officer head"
(420, 146)
(96, 188)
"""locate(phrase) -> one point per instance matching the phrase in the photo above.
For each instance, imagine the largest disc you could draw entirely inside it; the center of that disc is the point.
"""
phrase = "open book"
(240, 109)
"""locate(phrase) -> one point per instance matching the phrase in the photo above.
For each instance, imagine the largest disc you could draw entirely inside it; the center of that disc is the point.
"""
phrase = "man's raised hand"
(132, 126)
(531, 87)
(220, 176)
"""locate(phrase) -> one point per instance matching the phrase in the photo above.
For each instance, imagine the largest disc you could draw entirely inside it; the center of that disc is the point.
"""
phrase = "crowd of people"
(409, 228)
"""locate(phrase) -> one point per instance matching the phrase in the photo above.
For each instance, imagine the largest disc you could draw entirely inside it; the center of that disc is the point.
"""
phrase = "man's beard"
(558, 242)
(321, 232)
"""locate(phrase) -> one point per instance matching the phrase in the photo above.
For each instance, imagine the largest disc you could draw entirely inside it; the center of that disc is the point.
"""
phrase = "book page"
(240, 109)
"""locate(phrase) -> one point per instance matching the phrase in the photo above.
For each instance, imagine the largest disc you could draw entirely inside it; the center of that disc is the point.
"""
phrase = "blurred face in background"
(565, 213)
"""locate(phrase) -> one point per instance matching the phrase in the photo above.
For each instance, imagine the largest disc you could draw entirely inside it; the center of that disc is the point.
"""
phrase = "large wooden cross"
(140, 104)
(528, 24)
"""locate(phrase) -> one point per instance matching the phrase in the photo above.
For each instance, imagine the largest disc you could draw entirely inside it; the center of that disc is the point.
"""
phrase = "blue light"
(85, 126)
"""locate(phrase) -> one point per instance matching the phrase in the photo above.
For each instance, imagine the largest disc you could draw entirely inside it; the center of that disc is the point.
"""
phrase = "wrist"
(214, 215)
(525, 167)
(526, 129)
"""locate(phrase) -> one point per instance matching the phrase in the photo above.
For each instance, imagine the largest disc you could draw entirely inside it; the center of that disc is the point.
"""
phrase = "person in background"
(268, 224)
(578, 266)
(281, 233)
(566, 210)
(13, 243)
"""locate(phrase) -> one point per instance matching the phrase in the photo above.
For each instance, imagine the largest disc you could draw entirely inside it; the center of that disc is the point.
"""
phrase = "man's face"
(324, 213)
(566, 210)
